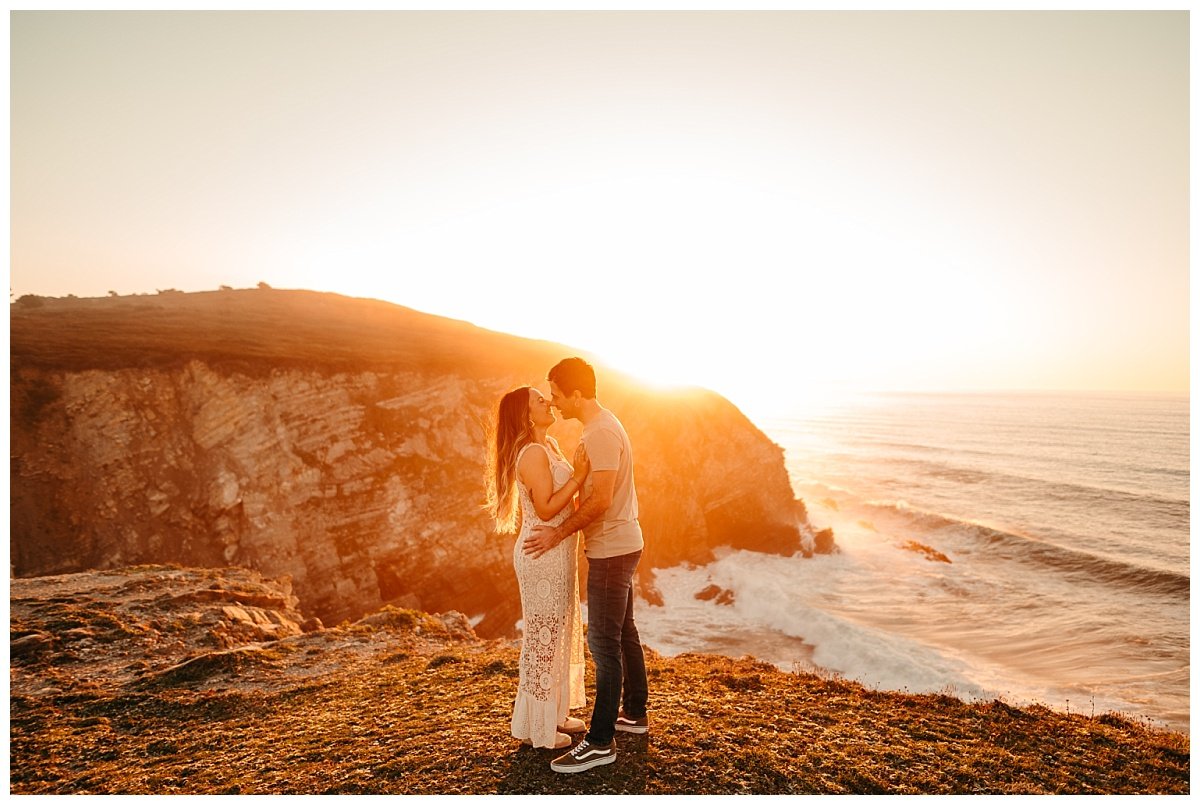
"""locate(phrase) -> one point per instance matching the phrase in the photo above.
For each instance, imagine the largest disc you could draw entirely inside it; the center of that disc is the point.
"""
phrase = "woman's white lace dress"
(552, 659)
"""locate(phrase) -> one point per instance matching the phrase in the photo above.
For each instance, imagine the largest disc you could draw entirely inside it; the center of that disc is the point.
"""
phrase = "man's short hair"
(572, 375)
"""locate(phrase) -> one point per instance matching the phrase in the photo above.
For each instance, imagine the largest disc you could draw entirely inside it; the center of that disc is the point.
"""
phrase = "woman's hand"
(582, 465)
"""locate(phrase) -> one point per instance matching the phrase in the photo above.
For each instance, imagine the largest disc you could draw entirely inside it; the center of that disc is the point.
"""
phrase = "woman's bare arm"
(534, 471)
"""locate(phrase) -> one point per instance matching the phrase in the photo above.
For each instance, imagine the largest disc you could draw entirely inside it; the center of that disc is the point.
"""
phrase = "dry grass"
(411, 714)
(254, 332)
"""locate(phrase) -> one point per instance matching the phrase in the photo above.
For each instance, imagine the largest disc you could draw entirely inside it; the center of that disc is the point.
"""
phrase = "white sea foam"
(774, 599)
(1053, 593)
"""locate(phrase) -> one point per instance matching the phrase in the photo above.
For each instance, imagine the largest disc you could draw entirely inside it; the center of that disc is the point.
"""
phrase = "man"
(612, 541)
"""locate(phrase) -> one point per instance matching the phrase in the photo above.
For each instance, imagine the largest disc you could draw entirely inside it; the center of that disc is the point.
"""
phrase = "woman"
(531, 483)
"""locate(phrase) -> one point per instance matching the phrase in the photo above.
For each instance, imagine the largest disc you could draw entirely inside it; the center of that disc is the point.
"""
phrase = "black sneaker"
(585, 756)
(627, 724)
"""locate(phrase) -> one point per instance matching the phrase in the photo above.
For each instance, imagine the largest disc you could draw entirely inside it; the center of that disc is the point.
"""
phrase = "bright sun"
(682, 278)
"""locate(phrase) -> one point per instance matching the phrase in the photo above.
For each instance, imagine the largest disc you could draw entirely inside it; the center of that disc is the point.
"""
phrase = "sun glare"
(714, 206)
(775, 276)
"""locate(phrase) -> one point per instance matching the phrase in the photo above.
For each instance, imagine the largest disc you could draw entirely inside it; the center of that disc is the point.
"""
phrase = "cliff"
(337, 441)
(151, 680)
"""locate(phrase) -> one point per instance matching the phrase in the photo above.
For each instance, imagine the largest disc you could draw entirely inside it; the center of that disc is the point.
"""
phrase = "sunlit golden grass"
(252, 331)
(422, 715)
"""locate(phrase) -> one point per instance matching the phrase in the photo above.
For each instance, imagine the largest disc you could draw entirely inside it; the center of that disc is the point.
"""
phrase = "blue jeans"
(616, 648)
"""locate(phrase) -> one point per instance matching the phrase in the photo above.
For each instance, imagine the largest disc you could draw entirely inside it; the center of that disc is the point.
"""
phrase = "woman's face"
(539, 409)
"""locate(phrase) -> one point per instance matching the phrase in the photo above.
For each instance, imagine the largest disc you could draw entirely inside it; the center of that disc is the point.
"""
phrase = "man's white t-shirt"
(616, 532)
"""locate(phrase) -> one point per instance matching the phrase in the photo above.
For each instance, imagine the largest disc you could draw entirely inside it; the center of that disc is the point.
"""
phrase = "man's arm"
(543, 538)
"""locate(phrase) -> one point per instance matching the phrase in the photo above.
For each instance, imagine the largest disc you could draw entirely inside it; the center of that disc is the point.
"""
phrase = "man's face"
(565, 405)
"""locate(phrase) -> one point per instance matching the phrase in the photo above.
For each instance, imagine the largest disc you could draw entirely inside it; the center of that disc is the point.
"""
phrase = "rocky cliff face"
(336, 441)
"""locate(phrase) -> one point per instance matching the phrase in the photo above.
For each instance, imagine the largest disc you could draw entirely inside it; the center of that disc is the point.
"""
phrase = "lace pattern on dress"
(552, 659)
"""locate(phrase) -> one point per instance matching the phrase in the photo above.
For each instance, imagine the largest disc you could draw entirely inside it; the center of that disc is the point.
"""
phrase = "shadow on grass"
(529, 772)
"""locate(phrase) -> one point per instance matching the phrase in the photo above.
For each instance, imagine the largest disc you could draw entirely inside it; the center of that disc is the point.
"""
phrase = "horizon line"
(833, 390)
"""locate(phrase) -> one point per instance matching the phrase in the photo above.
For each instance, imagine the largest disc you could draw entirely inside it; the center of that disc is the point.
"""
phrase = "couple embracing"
(535, 490)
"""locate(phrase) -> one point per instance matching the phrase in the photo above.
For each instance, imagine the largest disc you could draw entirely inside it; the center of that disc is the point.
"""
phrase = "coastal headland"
(338, 441)
(232, 514)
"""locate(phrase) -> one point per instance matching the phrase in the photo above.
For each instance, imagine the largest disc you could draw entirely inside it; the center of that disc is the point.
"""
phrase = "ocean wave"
(1030, 550)
(770, 606)
(1060, 491)
(849, 614)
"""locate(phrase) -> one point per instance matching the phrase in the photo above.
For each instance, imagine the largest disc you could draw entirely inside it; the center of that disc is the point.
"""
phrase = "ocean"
(1064, 520)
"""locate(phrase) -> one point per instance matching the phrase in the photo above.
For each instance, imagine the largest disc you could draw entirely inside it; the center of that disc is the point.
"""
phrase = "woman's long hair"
(511, 431)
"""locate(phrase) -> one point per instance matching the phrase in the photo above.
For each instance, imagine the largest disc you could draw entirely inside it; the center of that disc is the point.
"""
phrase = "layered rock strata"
(336, 441)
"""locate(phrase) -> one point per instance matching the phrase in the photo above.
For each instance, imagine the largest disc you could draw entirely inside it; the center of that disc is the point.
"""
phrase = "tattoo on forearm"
(588, 511)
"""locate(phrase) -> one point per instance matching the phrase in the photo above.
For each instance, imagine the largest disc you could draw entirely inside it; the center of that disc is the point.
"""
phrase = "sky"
(770, 204)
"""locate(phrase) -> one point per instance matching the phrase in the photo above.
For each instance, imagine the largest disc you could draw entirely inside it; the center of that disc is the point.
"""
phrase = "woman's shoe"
(572, 726)
(561, 741)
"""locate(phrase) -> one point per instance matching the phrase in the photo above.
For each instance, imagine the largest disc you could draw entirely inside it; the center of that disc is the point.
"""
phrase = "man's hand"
(541, 539)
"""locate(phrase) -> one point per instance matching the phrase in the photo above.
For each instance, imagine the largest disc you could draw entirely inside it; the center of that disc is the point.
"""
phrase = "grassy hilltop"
(254, 331)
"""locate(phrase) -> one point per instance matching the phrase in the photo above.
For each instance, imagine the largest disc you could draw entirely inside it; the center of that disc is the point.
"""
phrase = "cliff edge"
(167, 680)
(334, 440)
